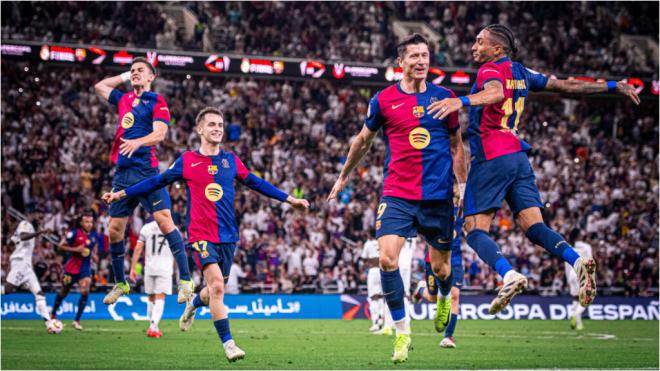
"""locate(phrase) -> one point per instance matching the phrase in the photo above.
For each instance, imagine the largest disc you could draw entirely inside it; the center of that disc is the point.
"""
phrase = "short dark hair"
(86, 213)
(410, 40)
(145, 61)
(503, 36)
(207, 110)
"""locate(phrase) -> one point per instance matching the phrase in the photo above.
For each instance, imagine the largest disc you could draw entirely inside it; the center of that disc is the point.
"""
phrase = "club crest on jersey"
(378, 224)
(418, 111)
(213, 169)
(136, 101)
(213, 192)
(419, 138)
(225, 163)
(128, 120)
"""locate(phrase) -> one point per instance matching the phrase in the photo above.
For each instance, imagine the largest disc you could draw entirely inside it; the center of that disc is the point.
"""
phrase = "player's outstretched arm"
(588, 87)
(262, 186)
(493, 92)
(104, 87)
(174, 173)
(359, 147)
(137, 252)
(29, 236)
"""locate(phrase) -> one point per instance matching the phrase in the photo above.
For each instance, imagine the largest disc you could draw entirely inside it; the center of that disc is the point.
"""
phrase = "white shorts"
(374, 286)
(572, 280)
(22, 276)
(158, 285)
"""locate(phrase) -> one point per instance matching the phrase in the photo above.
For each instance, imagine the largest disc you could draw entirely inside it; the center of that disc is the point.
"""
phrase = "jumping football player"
(500, 169)
(143, 123)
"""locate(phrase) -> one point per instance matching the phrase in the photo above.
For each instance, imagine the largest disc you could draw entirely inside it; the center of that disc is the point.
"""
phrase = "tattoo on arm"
(576, 86)
(493, 93)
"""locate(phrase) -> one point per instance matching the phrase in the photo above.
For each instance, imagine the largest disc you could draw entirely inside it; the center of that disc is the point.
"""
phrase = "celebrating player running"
(209, 174)
(418, 182)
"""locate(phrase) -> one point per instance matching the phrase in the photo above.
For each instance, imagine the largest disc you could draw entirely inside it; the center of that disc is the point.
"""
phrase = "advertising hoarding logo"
(654, 87)
(215, 63)
(314, 69)
(57, 53)
(340, 70)
(122, 57)
(460, 78)
(100, 55)
(81, 54)
(638, 84)
(15, 50)
(262, 66)
(393, 73)
(437, 74)
(170, 60)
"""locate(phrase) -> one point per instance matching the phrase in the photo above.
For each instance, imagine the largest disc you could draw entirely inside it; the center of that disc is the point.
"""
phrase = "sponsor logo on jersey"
(128, 120)
(419, 138)
(418, 111)
(213, 169)
(213, 192)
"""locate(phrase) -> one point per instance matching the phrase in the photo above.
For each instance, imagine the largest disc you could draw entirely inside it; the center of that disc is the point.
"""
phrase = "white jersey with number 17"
(158, 259)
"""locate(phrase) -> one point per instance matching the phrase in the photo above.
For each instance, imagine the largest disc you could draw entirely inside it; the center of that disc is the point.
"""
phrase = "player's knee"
(164, 221)
(442, 271)
(455, 293)
(216, 288)
(115, 232)
(388, 263)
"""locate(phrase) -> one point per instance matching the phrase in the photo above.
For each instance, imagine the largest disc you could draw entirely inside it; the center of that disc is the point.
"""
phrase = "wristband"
(611, 86)
(465, 100)
(126, 76)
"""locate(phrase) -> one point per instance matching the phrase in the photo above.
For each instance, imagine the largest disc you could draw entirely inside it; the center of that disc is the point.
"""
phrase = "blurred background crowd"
(569, 37)
(596, 160)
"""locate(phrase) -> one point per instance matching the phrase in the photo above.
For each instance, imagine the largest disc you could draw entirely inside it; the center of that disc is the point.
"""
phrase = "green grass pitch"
(307, 344)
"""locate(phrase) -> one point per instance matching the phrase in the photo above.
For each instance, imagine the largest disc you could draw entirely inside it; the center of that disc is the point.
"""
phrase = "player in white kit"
(584, 249)
(158, 270)
(21, 274)
(370, 256)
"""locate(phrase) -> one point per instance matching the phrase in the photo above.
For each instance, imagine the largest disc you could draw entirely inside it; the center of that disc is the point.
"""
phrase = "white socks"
(157, 313)
(42, 309)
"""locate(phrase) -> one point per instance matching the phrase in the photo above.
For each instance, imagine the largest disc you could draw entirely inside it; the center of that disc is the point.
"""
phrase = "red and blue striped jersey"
(76, 261)
(210, 190)
(418, 162)
(493, 128)
(136, 118)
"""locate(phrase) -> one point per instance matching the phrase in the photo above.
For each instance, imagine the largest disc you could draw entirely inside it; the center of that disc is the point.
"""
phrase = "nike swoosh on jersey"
(196, 163)
(397, 106)
(157, 202)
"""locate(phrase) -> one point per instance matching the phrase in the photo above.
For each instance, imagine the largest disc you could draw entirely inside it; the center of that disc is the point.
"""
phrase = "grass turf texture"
(307, 344)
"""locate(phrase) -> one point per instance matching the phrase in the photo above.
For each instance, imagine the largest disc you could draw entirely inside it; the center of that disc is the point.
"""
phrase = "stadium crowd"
(569, 37)
(596, 166)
